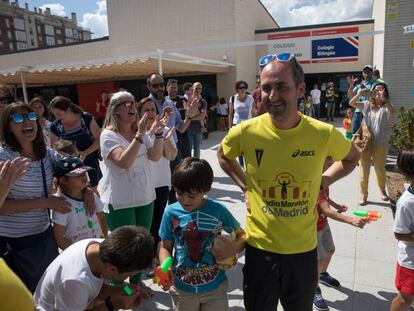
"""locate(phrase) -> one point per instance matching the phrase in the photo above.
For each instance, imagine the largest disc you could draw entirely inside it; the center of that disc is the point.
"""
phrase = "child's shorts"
(325, 242)
(215, 300)
(404, 280)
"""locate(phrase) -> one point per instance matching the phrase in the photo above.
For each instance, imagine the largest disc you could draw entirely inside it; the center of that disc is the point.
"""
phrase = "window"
(9, 34)
(19, 23)
(1, 44)
(21, 46)
(75, 33)
(49, 30)
(69, 32)
(50, 41)
(39, 29)
(7, 23)
(20, 35)
(69, 40)
(58, 31)
(11, 46)
(59, 41)
(31, 42)
(31, 31)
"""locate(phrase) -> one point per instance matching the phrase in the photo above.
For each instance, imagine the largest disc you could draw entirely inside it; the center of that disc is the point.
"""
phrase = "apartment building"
(23, 29)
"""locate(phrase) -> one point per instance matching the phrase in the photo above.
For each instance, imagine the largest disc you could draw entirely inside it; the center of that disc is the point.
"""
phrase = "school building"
(215, 42)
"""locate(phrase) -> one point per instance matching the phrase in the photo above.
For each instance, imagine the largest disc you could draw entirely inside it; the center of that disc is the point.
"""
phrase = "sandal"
(384, 197)
(363, 201)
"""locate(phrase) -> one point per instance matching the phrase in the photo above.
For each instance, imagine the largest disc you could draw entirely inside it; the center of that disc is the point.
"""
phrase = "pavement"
(364, 261)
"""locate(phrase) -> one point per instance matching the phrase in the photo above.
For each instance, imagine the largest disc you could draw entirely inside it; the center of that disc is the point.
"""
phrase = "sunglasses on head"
(20, 117)
(281, 57)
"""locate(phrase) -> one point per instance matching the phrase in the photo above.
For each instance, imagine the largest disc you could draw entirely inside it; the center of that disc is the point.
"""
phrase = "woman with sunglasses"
(73, 124)
(160, 170)
(241, 107)
(126, 188)
(39, 106)
(26, 238)
(377, 111)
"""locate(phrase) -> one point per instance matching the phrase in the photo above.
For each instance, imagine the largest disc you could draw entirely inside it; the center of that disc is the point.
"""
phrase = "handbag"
(362, 139)
(29, 256)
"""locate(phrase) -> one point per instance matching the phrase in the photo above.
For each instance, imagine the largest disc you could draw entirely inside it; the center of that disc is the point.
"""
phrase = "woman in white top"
(126, 187)
(160, 170)
(377, 113)
(241, 107)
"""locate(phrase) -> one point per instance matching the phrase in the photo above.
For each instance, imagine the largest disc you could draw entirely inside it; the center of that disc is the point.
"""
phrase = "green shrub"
(402, 132)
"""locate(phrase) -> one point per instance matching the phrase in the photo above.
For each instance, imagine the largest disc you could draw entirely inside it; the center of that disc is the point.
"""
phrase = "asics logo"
(303, 153)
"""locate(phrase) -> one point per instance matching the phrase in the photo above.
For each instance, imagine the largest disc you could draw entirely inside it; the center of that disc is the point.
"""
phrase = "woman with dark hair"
(26, 238)
(39, 106)
(377, 112)
(80, 127)
(241, 107)
(6, 97)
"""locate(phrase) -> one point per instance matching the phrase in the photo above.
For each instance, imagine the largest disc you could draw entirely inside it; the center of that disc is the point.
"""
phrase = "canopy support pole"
(23, 80)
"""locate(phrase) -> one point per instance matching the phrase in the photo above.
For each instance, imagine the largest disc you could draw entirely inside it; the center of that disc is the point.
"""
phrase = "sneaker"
(318, 301)
(327, 280)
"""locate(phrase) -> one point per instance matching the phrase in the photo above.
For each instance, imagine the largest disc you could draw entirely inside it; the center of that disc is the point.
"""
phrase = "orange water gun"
(370, 215)
(162, 275)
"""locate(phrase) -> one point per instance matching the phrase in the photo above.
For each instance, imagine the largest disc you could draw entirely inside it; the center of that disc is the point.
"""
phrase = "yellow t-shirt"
(14, 296)
(284, 171)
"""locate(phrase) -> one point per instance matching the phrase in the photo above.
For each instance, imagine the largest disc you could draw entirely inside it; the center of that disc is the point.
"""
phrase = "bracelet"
(139, 139)
(109, 304)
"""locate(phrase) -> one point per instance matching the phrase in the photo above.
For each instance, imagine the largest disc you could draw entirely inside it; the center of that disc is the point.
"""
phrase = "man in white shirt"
(74, 281)
(316, 100)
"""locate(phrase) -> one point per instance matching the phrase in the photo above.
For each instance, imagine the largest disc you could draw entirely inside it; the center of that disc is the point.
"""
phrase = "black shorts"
(270, 277)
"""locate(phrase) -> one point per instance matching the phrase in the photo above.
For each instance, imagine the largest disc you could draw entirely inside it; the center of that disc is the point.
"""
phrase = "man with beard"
(183, 143)
(156, 87)
(284, 153)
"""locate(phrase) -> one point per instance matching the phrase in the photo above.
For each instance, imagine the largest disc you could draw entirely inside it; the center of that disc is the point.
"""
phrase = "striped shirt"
(29, 186)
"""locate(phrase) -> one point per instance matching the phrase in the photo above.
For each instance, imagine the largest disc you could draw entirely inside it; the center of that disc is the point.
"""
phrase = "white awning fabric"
(130, 67)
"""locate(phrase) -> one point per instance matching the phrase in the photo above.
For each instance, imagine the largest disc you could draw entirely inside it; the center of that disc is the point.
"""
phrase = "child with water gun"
(191, 227)
(404, 233)
(326, 246)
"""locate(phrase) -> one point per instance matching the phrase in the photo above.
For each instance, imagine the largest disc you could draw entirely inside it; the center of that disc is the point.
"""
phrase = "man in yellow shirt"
(284, 152)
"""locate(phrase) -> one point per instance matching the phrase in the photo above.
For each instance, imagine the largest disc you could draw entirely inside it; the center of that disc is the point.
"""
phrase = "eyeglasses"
(20, 117)
(281, 57)
(127, 103)
(242, 87)
(158, 85)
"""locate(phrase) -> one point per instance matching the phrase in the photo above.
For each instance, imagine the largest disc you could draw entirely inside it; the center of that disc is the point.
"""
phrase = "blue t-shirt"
(192, 234)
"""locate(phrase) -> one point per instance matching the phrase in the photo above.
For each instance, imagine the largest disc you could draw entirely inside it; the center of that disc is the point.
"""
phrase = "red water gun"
(162, 275)
(370, 215)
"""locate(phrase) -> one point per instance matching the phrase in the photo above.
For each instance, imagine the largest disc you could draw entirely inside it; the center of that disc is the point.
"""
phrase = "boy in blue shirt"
(190, 227)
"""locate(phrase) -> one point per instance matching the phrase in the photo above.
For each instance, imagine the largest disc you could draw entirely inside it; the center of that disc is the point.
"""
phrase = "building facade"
(22, 29)
(229, 35)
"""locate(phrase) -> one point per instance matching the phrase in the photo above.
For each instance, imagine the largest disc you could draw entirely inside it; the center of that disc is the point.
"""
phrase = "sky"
(287, 13)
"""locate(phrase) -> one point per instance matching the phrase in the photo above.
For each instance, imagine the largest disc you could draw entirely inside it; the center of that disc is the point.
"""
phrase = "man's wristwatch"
(109, 304)
(139, 138)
